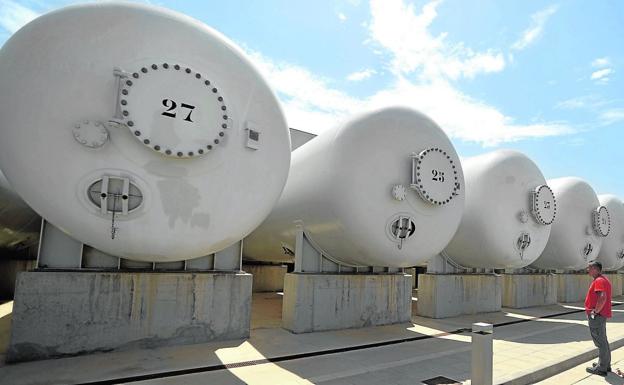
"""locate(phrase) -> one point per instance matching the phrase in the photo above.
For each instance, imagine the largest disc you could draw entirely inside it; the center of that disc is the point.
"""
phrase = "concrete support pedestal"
(267, 278)
(572, 287)
(66, 313)
(450, 295)
(315, 302)
(528, 290)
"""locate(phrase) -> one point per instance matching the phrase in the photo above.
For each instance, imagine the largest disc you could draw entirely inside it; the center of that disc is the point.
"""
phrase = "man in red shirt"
(598, 309)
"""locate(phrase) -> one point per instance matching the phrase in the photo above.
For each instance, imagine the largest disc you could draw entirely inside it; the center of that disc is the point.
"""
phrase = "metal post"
(482, 354)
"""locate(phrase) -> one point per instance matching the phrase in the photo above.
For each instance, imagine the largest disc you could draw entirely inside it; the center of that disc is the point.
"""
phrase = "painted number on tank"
(438, 176)
(171, 108)
(547, 204)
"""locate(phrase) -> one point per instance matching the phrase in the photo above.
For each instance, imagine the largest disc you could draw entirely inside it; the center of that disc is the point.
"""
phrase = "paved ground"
(578, 375)
(523, 350)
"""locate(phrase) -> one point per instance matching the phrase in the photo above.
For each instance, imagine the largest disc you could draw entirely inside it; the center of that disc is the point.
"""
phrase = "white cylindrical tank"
(19, 224)
(139, 131)
(383, 189)
(581, 225)
(508, 213)
(611, 253)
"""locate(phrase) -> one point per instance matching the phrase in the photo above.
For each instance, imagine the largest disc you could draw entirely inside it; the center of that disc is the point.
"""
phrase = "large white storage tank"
(19, 224)
(508, 214)
(383, 189)
(611, 253)
(139, 131)
(581, 225)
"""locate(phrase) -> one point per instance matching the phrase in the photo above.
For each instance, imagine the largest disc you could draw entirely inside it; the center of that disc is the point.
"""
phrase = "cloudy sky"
(545, 78)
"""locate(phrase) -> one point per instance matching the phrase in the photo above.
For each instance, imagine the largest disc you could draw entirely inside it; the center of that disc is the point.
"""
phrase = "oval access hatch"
(434, 176)
(174, 109)
(544, 205)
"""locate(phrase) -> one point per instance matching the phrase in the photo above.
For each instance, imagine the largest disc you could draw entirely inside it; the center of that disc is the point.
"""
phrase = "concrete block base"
(315, 302)
(572, 287)
(69, 313)
(528, 290)
(266, 278)
(450, 295)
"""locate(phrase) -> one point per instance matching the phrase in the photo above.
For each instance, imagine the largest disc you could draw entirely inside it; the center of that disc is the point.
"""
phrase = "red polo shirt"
(600, 283)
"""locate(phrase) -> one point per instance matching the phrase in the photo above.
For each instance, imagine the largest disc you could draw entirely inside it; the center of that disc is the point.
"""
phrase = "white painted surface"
(57, 72)
(612, 251)
(498, 213)
(573, 229)
(340, 186)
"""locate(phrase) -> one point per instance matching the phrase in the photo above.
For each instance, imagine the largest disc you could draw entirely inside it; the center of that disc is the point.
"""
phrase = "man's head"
(594, 268)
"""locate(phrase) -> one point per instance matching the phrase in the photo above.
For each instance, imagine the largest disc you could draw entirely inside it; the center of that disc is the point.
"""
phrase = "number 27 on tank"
(171, 109)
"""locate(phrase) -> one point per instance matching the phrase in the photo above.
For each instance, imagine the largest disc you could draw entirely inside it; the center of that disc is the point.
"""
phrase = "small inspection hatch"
(441, 381)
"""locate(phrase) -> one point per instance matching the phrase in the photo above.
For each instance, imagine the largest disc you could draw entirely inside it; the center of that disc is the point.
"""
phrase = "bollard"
(482, 354)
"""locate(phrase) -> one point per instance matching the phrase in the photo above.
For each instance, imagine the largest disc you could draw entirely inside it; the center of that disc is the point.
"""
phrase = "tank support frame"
(311, 258)
(58, 250)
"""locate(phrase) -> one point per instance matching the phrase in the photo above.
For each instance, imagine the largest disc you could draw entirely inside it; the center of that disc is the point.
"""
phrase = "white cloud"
(342, 17)
(535, 30)
(601, 62)
(404, 33)
(597, 75)
(309, 101)
(361, 75)
(14, 16)
(462, 116)
(601, 76)
(313, 104)
(614, 115)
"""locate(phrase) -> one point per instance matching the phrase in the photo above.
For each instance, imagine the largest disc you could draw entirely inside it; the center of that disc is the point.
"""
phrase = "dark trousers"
(598, 330)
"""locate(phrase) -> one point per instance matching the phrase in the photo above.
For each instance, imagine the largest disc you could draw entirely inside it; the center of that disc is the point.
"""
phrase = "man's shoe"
(594, 364)
(595, 370)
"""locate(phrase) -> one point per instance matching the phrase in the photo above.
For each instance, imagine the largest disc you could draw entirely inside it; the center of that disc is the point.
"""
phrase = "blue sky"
(545, 78)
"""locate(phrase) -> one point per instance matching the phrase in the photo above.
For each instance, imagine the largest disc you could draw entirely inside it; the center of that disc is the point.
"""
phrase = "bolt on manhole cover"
(441, 381)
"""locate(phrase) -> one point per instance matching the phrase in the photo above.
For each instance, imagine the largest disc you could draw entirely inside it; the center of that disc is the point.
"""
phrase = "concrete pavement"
(529, 343)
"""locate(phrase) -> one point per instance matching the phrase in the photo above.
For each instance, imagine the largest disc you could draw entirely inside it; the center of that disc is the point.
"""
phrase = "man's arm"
(602, 299)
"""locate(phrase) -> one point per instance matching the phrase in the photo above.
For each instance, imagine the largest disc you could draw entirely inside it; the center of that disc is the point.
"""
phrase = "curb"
(539, 374)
